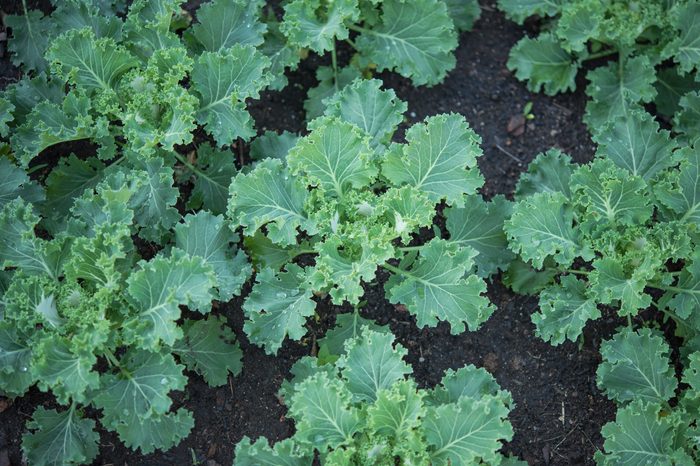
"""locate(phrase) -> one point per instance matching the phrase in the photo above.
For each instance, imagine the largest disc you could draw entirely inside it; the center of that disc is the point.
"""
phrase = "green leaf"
(687, 120)
(67, 373)
(25, 94)
(414, 38)
(284, 56)
(222, 24)
(635, 143)
(14, 183)
(375, 111)
(148, 24)
(684, 297)
(328, 84)
(82, 59)
(6, 110)
(212, 177)
(542, 226)
(612, 283)
(636, 366)
(397, 411)
(207, 236)
(372, 363)
(671, 85)
(408, 209)
(468, 381)
(157, 290)
(105, 209)
(440, 159)
(31, 33)
(335, 156)
(272, 145)
(480, 225)
(316, 25)
(155, 14)
(578, 24)
(15, 359)
(154, 202)
(564, 311)
(161, 432)
(522, 278)
(79, 14)
(100, 259)
(284, 453)
(341, 273)
(67, 181)
(223, 81)
(278, 307)
(321, 409)
(465, 432)
(543, 63)
(266, 254)
(301, 370)
(610, 194)
(616, 90)
(640, 434)
(210, 349)
(520, 10)
(268, 196)
(463, 13)
(19, 247)
(140, 391)
(435, 288)
(50, 124)
(549, 172)
(60, 438)
(686, 47)
(160, 114)
(347, 326)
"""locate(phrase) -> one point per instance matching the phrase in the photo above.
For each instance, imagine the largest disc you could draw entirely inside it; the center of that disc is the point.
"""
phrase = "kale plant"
(133, 82)
(96, 259)
(658, 415)
(414, 38)
(365, 410)
(354, 202)
(83, 317)
(657, 44)
(621, 233)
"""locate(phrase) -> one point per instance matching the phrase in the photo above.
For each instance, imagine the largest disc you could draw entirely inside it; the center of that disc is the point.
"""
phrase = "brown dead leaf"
(516, 124)
(4, 404)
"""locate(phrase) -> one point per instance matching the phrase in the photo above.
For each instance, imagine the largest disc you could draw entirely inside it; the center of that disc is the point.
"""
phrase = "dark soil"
(559, 411)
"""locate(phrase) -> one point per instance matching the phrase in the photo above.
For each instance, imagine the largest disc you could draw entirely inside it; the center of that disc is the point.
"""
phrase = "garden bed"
(349, 232)
(558, 411)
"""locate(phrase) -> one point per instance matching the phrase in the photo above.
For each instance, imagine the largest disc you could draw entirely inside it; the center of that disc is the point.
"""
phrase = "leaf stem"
(410, 248)
(578, 272)
(679, 322)
(111, 359)
(356, 28)
(299, 252)
(186, 163)
(601, 54)
(391, 268)
(659, 286)
(334, 62)
(118, 161)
